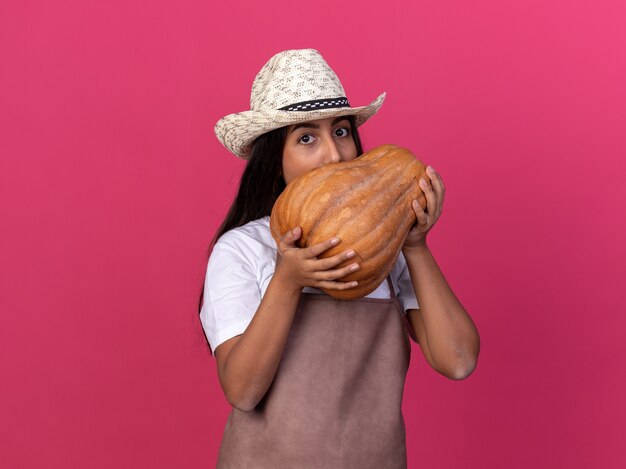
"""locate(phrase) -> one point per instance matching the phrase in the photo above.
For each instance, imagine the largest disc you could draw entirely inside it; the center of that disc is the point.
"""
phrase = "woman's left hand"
(435, 193)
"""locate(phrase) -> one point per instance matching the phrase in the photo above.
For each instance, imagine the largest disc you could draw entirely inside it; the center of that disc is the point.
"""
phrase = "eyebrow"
(311, 125)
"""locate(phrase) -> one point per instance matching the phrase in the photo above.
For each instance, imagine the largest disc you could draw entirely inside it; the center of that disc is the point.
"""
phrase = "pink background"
(112, 184)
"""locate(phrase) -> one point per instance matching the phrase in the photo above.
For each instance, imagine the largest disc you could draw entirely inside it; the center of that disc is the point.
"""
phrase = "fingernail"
(334, 241)
(354, 284)
(354, 267)
(430, 170)
(423, 183)
(350, 254)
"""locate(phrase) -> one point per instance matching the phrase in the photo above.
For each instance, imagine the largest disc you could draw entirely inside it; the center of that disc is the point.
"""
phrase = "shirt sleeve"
(406, 293)
(231, 294)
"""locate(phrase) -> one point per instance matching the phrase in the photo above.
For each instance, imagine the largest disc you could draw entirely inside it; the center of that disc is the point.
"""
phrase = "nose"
(333, 155)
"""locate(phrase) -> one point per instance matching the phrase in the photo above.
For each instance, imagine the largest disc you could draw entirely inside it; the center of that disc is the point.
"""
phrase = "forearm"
(251, 364)
(452, 337)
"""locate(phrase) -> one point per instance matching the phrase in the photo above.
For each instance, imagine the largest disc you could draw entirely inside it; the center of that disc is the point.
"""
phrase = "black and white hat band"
(317, 104)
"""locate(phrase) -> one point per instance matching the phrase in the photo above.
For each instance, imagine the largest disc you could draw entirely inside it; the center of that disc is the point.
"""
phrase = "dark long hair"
(262, 182)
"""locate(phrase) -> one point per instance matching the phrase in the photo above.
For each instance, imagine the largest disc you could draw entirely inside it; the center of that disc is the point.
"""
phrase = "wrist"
(285, 281)
(416, 249)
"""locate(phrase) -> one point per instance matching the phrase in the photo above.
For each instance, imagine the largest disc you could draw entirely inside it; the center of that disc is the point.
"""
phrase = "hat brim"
(238, 131)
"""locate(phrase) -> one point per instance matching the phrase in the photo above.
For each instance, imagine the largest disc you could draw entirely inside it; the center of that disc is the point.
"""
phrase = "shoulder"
(399, 266)
(400, 273)
(255, 231)
(401, 278)
(251, 240)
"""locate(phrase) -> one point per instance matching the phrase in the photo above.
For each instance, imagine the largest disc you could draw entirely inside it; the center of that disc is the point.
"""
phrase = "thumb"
(290, 238)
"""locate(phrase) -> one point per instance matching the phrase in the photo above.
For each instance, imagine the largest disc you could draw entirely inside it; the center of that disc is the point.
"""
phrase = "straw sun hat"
(293, 86)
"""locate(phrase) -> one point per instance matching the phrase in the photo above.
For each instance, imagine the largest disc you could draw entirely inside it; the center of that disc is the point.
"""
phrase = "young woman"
(314, 381)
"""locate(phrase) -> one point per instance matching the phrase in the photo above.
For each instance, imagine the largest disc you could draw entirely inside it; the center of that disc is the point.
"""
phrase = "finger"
(330, 262)
(436, 182)
(431, 197)
(438, 187)
(422, 218)
(335, 273)
(317, 249)
(330, 285)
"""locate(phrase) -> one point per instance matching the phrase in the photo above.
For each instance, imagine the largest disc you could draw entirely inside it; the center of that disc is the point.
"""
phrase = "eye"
(306, 139)
(342, 132)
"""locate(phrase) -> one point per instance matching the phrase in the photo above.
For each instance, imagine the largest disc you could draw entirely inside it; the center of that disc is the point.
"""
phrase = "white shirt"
(239, 270)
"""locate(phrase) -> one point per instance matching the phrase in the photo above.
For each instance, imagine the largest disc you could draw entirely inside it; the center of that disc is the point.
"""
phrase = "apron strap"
(392, 291)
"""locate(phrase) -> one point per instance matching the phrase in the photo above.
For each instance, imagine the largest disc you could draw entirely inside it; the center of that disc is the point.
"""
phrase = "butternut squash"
(366, 202)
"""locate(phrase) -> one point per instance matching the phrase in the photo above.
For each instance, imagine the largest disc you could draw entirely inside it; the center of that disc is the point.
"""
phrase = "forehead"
(318, 123)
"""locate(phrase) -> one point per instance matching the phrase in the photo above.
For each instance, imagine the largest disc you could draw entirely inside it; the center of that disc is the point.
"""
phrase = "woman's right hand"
(297, 268)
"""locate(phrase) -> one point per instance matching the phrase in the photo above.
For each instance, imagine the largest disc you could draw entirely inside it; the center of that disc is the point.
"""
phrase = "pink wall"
(112, 183)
